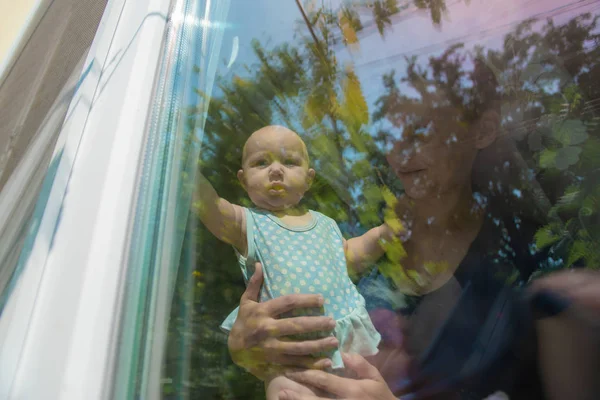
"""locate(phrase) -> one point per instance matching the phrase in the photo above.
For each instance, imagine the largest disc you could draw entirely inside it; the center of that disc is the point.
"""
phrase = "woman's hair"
(499, 172)
(502, 177)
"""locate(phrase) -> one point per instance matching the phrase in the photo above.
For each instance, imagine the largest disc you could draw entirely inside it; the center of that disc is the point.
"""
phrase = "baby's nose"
(276, 169)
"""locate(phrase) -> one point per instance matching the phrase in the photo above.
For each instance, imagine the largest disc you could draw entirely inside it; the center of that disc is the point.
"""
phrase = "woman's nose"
(401, 153)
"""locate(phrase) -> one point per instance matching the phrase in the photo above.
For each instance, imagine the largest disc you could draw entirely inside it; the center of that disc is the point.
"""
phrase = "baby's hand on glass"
(396, 218)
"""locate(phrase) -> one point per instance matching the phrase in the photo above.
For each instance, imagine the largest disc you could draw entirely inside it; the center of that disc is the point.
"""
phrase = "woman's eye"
(425, 129)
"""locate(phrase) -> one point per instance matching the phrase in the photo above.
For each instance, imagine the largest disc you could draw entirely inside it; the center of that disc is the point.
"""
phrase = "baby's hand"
(393, 231)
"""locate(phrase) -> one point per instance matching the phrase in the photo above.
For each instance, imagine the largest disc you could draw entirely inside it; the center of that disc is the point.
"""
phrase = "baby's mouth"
(276, 188)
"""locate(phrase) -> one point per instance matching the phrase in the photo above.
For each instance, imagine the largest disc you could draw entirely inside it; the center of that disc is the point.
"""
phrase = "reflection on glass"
(466, 128)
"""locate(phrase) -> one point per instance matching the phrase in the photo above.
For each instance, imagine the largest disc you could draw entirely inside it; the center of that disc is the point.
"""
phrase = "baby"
(301, 251)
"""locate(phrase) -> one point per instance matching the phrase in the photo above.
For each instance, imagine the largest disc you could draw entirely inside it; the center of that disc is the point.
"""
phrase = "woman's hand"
(581, 287)
(368, 386)
(569, 341)
(257, 339)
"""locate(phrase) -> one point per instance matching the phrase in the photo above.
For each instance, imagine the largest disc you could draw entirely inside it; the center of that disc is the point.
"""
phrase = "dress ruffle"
(355, 332)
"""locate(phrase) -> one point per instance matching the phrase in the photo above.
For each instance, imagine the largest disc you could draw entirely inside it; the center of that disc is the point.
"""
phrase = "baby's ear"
(241, 178)
(311, 176)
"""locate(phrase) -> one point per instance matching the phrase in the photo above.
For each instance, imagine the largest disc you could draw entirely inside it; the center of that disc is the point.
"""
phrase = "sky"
(474, 22)
(482, 22)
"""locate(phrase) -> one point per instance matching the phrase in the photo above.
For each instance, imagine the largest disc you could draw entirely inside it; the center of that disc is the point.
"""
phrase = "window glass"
(455, 142)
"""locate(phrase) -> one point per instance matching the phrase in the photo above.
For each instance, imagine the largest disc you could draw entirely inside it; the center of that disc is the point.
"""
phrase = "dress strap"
(247, 261)
(329, 221)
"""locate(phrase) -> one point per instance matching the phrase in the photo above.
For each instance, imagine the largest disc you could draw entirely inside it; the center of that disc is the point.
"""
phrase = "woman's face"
(434, 155)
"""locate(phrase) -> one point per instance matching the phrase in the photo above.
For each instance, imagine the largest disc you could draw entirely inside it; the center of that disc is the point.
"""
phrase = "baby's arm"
(225, 220)
(364, 250)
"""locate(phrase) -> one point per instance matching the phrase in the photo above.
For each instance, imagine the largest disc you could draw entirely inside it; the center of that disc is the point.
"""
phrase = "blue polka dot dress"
(310, 260)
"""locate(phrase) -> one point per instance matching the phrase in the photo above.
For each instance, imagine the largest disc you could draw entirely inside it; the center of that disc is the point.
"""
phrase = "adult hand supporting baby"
(257, 341)
(369, 384)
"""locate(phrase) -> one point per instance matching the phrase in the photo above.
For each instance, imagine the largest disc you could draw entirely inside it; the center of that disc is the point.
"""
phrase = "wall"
(13, 14)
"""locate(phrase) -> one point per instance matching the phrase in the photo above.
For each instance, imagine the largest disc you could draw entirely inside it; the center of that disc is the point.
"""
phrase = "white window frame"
(59, 328)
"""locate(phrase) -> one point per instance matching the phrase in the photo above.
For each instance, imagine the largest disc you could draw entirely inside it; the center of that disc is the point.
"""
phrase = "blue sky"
(475, 22)
(482, 22)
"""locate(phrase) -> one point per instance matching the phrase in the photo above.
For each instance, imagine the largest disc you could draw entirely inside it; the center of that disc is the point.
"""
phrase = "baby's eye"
(292, 162)
(261, 163)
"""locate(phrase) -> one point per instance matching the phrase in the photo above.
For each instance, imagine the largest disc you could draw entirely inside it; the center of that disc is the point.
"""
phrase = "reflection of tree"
(566, 138)
(551, 78)
(546, 77)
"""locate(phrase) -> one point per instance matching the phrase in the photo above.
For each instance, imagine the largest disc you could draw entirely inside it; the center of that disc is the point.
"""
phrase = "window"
(35, 94)
(471, 123)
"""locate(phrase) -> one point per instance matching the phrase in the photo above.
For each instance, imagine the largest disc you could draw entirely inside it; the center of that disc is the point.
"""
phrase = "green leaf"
(578, 137)
(590, 156)
(314, 110)
(349, 22)
(569, 200)
(576, 252)
(567, 156)
(548, 158)
(589, 205)
(361, 169)
(545, 237)
(573, 96)
(570, 132)
(355, 106)
(325, 149)
(372, 194)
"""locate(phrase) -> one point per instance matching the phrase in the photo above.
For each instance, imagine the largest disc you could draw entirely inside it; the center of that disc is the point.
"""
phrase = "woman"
(464, 233)
(468, 229)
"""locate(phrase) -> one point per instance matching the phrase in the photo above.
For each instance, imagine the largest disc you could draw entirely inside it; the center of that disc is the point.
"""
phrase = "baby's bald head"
(274, 137)
(275, 171)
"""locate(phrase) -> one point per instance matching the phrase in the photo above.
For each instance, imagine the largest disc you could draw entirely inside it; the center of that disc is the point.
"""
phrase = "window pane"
(457, 141)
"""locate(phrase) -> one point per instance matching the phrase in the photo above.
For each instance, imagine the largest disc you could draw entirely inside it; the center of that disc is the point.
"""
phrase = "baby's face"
(275, 170)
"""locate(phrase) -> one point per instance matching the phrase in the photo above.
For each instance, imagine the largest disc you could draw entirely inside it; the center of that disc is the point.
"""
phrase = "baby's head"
(275, 170)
